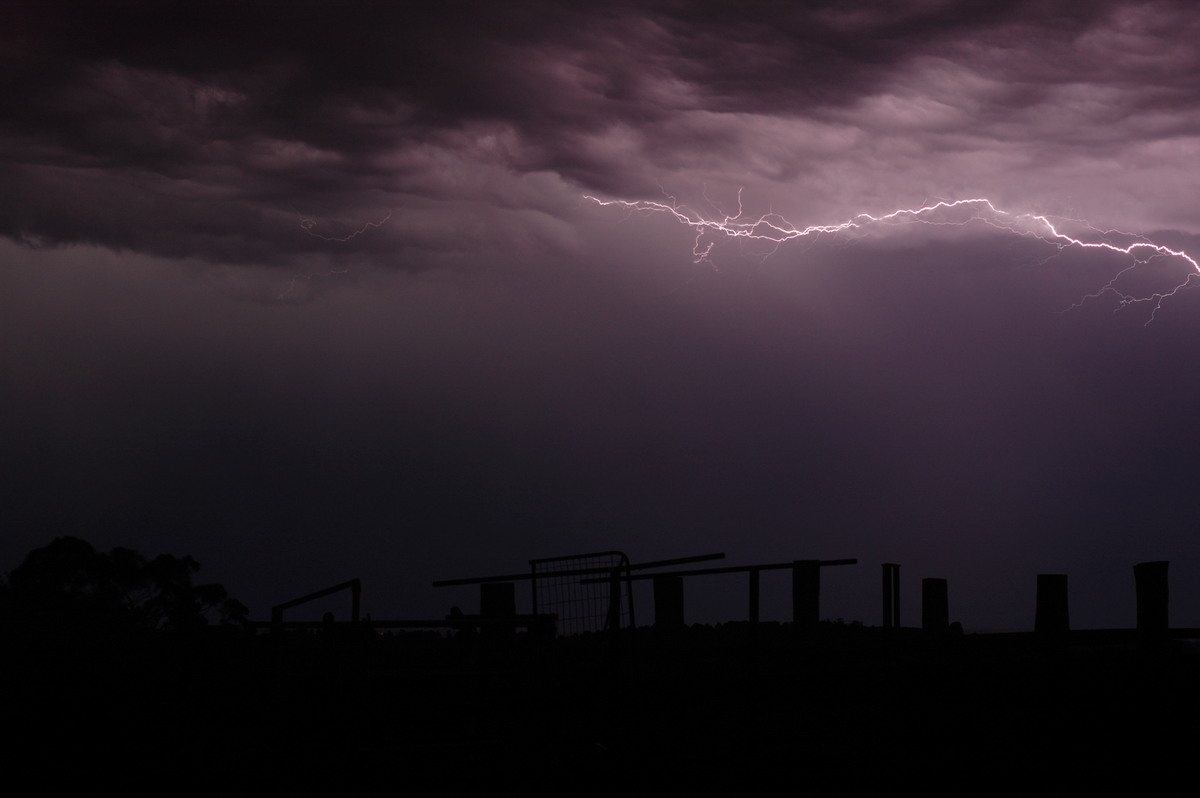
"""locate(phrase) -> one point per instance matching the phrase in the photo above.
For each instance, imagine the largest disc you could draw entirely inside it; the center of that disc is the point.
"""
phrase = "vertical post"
(613, 622)
(533, 588)
(629, 593)
(806, 593)
(935, 606)
(498, 600)
(753, 595)
(668, 602)
(355, 600)
(891, 595)
(896, 596)
(1151, 582)
(1052, 617)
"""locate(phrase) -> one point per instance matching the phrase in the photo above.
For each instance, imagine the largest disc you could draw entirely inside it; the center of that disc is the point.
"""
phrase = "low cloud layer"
(215, 130)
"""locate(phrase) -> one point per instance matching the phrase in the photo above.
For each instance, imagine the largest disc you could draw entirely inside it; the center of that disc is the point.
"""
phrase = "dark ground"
(711, 711)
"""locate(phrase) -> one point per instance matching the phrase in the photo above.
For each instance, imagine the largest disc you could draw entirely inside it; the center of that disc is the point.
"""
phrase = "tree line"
(68, 582)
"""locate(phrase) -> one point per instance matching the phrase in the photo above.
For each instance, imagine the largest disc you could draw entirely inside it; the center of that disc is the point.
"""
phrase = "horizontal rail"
(457, 622)
(607, 569)
(287, 605)
(541, 560)
(731, 569)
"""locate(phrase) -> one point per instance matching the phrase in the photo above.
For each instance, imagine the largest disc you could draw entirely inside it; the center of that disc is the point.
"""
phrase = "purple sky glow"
(311, 291)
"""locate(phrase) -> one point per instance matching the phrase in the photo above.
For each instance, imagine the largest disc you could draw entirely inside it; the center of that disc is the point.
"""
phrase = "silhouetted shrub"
(69, 582)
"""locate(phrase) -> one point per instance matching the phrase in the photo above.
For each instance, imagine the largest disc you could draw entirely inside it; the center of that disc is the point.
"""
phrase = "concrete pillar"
(1052, 617)
(1151, 581)
(935, 605)
(498, 600)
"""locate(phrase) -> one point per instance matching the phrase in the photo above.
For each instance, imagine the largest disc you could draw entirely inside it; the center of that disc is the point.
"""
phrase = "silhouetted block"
(935, 605)
(1052, 617)
(891, 595)
(668, 602)
(806, 593)
(1151, 581)
(498, 600)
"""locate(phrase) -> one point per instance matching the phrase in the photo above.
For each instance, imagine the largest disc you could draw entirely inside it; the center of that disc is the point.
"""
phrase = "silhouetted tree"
(70, 580)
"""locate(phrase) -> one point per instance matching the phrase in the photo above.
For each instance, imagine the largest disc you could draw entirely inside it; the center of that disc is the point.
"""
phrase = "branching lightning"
(773, 230)
(307, 223)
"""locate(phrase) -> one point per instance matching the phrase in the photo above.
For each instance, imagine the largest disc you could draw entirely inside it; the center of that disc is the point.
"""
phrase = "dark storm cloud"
(216, 129)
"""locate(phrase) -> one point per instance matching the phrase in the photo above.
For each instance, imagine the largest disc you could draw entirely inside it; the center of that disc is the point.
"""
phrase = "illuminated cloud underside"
(774, 230)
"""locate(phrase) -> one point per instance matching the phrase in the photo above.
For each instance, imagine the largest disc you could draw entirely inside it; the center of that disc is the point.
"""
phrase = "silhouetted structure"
(754, 594)
(806, 590)
(935, 606)
(806, 584)
(891, 595)
(668, 602)
(555, 584)
(498, 603)
(616, 572)
(1150, 579)
(353, 585)
(1052, 618)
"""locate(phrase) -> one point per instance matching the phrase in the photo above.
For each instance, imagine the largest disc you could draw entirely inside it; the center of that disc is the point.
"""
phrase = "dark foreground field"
(710, 711)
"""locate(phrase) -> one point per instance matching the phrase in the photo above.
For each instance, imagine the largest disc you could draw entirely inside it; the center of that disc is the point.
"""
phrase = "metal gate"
(559, 587)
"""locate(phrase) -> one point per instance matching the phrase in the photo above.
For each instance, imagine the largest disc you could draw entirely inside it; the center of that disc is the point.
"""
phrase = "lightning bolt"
(773, 230)
(307, 223)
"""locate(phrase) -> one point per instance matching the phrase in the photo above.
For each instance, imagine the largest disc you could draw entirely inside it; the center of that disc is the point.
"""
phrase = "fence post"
(935, 606)
(891, 595)
(806, 593)
(613, 621)
(498, 600)
(1150, 579)
(753, 595)
(1052, 618)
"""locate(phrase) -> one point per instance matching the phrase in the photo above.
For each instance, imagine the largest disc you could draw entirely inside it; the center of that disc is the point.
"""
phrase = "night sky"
(311, 291)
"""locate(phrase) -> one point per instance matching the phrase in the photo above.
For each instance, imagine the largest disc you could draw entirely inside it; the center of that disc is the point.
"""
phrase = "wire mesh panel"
(558, 587)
